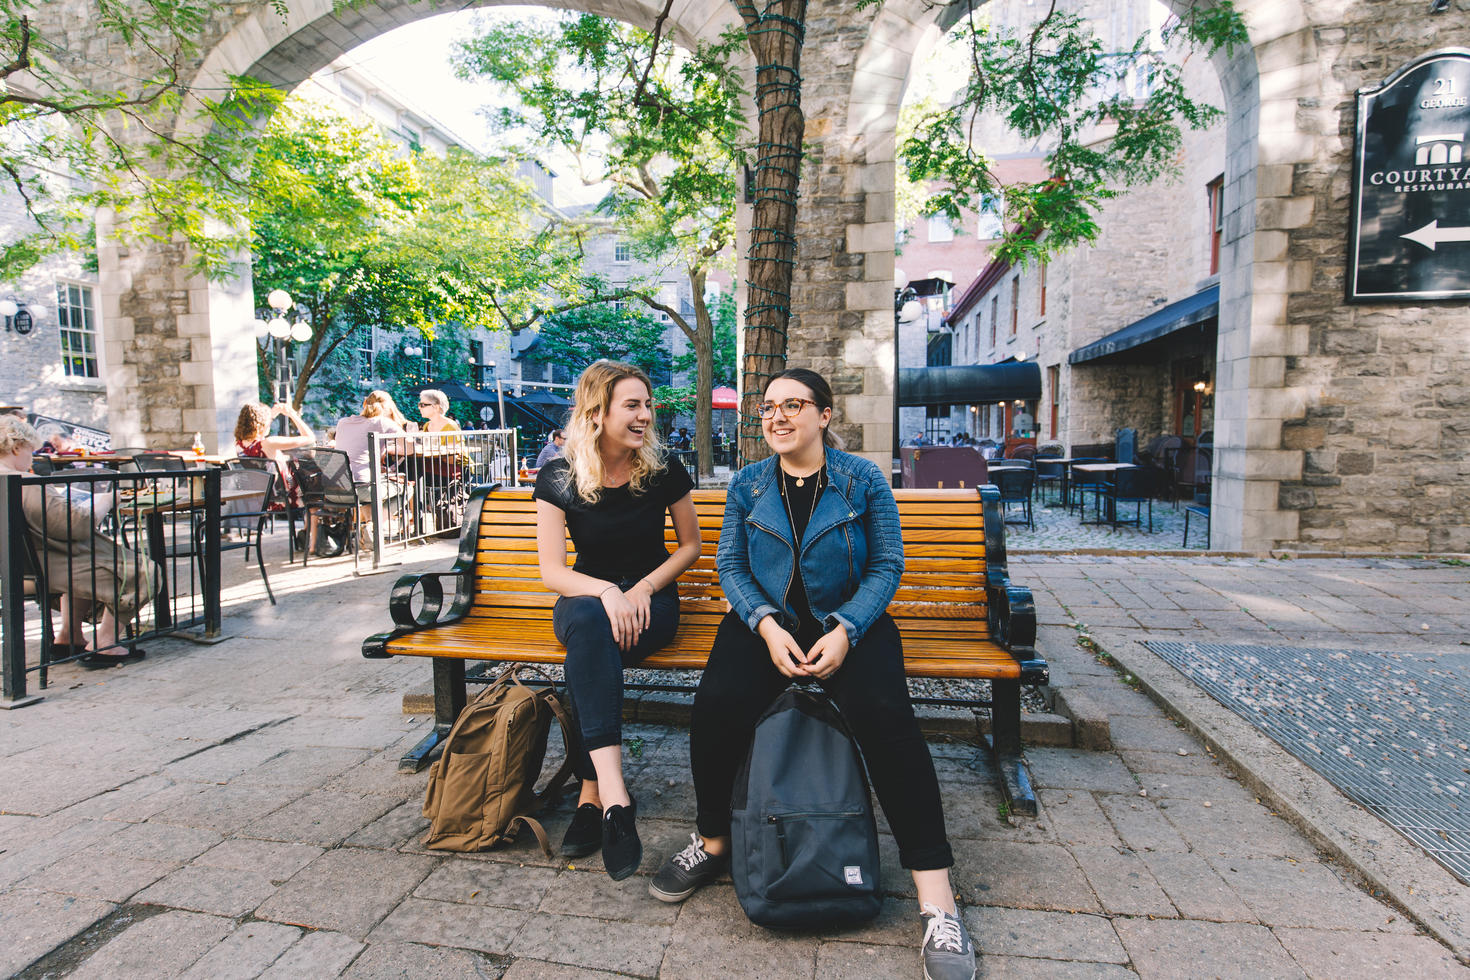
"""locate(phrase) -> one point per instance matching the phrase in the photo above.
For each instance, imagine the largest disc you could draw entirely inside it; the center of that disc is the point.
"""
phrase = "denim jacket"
(851, 553)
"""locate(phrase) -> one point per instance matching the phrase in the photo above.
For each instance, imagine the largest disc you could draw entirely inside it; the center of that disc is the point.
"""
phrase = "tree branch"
(669, 311)
(22, 60)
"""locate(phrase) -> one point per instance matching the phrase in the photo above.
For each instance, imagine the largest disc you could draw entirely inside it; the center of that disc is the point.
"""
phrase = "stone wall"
(1382, 418)
(31, 371)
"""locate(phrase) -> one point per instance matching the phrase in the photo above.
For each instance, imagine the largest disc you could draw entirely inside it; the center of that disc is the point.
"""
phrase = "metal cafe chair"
(159, 461)
(1015, 487)
(278, 498)
(1084, 485)
(1131, 487)
(328, 494)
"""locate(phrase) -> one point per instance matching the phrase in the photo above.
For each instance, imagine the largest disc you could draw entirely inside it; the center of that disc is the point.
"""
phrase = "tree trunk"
(704, 384)
(775, 39)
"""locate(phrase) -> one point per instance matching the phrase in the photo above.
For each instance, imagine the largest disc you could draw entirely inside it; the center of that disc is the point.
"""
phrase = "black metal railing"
(420, 481)
(103, 560)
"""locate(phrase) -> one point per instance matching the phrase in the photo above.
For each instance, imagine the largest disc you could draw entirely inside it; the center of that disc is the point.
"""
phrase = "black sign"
(1410, 235)
(23, 321)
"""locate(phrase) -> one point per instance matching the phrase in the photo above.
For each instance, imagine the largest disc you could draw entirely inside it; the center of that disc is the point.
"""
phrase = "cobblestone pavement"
(1058, 529)
(235, 811)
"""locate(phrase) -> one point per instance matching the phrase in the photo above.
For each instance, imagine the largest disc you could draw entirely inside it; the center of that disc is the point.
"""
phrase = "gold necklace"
(816, 492)
(801, 480)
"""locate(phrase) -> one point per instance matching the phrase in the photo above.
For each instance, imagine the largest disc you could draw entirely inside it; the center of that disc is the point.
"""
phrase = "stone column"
(854, 68)
(180, 354)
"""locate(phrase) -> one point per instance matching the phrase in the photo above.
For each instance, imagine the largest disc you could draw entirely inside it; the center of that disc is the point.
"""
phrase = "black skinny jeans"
(740, 682)
(594, 666)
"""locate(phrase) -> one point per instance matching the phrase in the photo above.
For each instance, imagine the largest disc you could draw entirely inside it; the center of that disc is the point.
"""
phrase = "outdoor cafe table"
(69, 459)
(152, 508)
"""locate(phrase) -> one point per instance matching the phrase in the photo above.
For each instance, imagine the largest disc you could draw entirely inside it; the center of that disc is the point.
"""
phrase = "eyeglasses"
(790, 407)
(426, 404)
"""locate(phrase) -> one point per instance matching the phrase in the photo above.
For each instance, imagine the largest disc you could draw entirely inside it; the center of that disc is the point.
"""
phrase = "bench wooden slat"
(940, 605)
(983, 660)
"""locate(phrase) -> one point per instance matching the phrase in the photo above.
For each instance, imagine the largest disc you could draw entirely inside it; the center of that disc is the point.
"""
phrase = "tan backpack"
(485, 782)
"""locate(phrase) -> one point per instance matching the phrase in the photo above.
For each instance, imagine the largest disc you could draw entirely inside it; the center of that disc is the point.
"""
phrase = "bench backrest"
(941, 595)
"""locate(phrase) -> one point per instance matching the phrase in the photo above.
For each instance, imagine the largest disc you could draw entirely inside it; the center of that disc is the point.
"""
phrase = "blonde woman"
(619, 602)
(434, 407)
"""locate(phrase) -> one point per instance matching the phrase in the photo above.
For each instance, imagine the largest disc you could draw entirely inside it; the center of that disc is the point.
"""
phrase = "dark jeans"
(740, 682)
(595, 665)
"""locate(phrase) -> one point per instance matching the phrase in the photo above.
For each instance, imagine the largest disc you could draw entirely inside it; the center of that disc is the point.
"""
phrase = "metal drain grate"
(1390, 730)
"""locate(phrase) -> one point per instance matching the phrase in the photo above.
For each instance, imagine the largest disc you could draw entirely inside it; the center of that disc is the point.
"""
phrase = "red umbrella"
(725, 398)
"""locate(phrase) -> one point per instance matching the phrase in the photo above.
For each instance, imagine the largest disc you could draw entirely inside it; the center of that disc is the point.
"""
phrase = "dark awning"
(458, 391)
(1203, 305)
(969, 384)
(545, 399)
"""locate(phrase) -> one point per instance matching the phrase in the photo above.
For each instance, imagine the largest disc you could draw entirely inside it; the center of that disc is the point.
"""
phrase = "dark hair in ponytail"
(821, 394)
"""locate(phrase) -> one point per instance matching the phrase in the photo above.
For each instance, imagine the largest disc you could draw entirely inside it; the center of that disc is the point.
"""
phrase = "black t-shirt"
(621, 537)
(800, 502)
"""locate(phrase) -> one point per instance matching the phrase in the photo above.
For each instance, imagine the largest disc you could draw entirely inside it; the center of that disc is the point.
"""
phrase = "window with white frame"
(940, 230)
(76, 318)
(367, 354)
(622, 252)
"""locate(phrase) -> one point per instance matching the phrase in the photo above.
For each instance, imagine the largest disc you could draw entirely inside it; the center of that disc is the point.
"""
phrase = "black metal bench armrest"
(433, 611)
(1011, 609)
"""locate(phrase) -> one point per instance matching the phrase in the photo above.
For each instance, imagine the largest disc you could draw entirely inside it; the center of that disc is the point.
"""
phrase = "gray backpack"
(805, 845)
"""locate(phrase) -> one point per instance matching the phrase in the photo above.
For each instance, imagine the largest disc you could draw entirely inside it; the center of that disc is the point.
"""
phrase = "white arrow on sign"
(1432, 234)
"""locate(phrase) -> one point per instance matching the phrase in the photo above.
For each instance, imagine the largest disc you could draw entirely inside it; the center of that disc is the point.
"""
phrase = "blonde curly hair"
(16, 434)
(592, 401)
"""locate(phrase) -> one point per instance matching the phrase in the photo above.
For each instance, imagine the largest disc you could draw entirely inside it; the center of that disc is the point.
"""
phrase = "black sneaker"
(622, 851)
(686, 872)
(584, 834)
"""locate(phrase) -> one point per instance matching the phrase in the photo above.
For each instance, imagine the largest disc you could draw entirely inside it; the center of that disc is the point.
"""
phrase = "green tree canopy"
(361, 236)
(576, 338)
(71, 146)
(661, 125)
(1059, 87)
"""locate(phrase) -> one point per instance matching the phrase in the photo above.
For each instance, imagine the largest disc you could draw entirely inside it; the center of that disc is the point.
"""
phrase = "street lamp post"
(282, 332)
(906, 309)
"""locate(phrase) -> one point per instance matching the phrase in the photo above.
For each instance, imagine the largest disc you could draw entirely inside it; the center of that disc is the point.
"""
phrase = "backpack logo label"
(853, 874)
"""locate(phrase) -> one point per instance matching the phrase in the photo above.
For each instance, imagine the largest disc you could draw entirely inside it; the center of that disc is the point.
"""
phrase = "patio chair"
(159, 461)
(278, 498)
(1201, 505)
(1049, 474)
(1081, 486)
(324, 477)
(1131, 487)
(1015, 487)
(248, 514)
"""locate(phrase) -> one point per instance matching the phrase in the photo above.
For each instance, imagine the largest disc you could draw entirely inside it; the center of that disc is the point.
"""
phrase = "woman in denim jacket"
(824, 618)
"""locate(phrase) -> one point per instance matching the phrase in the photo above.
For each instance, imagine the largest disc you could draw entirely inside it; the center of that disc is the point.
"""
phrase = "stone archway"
(180, 354)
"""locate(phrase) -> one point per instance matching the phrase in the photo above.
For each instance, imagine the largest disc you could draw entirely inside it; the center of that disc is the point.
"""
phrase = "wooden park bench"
(956, 609)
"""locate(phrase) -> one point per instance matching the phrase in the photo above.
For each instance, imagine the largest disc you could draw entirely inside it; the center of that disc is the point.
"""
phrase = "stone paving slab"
(1402, 604)
(262, 789)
